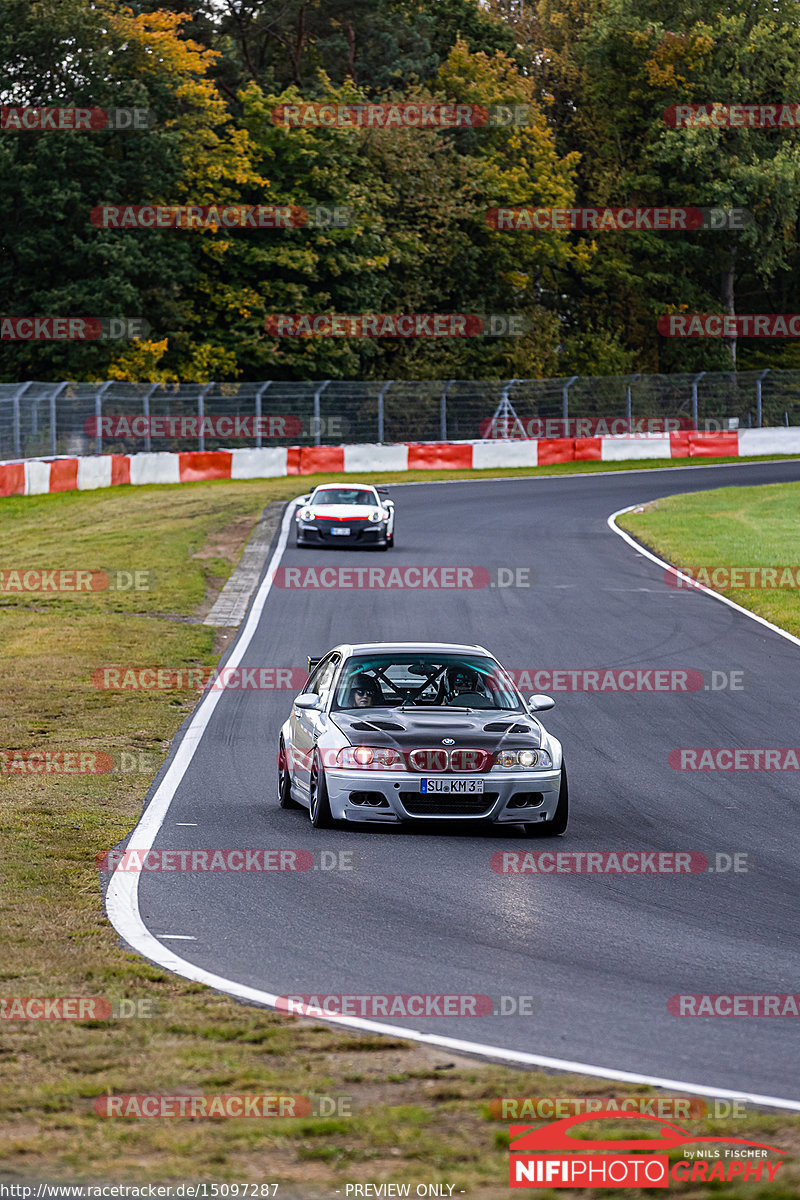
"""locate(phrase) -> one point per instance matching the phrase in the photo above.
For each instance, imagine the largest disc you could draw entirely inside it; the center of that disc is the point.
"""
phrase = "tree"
(53, 261)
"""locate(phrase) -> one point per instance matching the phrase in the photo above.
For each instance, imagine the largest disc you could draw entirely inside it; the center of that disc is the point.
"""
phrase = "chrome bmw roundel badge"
(448, 741)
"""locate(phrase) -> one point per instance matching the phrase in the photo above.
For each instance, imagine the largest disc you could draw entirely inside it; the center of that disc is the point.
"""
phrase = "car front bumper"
(395, 796)
(361, 534)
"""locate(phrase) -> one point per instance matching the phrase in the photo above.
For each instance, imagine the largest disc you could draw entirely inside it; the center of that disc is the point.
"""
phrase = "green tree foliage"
(53, 260)
(595, 77)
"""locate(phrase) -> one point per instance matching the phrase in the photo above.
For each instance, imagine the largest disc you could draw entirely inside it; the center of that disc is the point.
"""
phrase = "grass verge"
(417, 1114)
(730, 527)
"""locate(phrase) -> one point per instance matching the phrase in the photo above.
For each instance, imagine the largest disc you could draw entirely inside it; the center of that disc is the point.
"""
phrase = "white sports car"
(354, 514)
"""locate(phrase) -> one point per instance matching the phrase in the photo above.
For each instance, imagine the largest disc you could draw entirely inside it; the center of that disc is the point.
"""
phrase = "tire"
(318, 803)
(284, 781)
(558, 823)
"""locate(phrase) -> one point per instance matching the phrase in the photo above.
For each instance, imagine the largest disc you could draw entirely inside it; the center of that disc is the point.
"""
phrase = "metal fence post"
(201, 410)
(98, 413)
(758, 396)
(146, 414)
(259, 394)
(695, 382)
(53, 416)
(443, 410)
(565, 402)
(628, 404)
(381, 422)
(15, 399)
(317, 418)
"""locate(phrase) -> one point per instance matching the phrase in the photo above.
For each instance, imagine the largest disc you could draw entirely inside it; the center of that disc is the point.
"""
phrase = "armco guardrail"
(38, 419)
(35, 476)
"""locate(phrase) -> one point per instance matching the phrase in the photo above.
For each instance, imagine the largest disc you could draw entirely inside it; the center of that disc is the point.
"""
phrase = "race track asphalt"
(423, 912)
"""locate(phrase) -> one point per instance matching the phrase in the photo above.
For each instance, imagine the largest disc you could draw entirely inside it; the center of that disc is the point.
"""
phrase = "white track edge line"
(694, 586)
(122, 907)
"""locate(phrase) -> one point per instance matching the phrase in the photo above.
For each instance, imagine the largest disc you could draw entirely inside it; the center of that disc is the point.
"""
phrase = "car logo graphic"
(448, 741)
(555, 1136)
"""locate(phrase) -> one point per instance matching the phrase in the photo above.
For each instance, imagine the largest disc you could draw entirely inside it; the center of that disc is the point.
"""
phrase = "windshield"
(425, 680)
(343, 496)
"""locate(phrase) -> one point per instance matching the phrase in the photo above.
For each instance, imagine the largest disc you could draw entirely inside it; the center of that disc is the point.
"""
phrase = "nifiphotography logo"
(610, 1162)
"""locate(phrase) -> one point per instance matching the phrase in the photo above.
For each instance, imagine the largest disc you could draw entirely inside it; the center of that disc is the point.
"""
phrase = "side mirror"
(538, 702)
(307, 700)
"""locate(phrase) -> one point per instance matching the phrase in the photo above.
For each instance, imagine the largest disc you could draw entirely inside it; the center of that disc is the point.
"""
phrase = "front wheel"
(284, 780)
(558, 822)
(319, 805)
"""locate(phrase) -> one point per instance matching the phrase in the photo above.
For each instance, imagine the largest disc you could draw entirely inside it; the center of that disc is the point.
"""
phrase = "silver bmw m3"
(418, 731)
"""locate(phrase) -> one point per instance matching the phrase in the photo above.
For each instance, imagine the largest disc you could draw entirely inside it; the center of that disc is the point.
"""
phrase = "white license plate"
(451, 785)
(340, 532)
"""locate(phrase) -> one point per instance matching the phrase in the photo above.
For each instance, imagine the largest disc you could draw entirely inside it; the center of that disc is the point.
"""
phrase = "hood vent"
(505, 727)
(372, 726)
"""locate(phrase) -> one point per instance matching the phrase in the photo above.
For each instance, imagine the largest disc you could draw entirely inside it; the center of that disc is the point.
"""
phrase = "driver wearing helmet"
(364, 691)
(459, 681)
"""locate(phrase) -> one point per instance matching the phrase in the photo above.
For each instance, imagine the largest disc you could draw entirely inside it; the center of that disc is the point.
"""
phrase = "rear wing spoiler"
(313, 662)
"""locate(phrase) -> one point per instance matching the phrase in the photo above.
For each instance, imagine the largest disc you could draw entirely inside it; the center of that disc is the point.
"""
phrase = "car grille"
(356, 529)
(447, 804)
(435, 759)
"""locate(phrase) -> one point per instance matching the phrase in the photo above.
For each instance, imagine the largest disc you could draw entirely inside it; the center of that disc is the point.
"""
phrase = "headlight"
(370, 758)
(527, 759)
(306, 514)
(376, 516)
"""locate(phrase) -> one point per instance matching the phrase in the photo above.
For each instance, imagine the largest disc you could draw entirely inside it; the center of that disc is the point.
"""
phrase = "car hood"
(485, 729)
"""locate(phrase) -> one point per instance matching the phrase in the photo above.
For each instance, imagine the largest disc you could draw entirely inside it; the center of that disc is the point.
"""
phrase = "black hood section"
(486, 729)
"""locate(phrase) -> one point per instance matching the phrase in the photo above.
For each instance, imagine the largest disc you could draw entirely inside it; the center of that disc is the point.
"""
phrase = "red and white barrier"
(35, 476)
